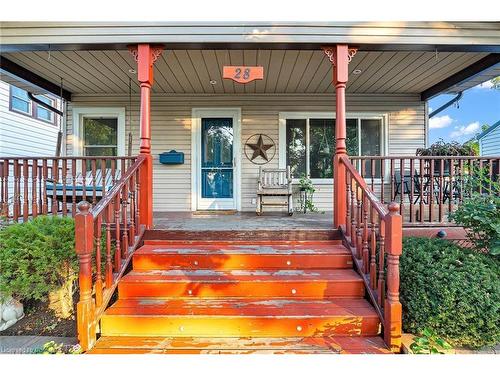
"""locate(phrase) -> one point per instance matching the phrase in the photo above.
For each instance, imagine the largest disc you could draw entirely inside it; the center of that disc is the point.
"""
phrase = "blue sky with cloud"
(479, 105)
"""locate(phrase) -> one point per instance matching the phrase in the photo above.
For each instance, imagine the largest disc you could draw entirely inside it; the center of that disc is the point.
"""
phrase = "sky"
(478, 106)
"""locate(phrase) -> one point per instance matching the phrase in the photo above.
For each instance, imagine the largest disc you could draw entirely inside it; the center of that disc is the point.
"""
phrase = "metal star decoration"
(259, 149)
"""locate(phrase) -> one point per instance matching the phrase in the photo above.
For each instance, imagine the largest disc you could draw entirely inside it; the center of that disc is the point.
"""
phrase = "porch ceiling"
(285, 71)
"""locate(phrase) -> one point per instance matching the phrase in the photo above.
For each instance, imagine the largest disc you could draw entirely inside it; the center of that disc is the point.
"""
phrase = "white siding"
(490, 143)
(21, 135)
(171, 129)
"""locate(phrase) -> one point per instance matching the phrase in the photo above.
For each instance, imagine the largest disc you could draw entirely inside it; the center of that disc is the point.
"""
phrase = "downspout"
(60, 112)
(446, 105)
(45, 105)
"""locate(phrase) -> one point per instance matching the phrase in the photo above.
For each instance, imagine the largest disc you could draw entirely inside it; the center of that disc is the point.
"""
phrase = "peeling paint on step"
(241, 249)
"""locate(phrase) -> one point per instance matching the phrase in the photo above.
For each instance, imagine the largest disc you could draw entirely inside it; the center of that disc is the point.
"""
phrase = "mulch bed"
(40, 321)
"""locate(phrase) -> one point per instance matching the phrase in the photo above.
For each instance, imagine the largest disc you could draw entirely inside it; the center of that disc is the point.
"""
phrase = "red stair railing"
(374, 234)
(106, 235)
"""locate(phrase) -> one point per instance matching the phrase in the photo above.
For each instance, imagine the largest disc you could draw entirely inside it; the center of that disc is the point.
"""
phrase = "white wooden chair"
(274, 183)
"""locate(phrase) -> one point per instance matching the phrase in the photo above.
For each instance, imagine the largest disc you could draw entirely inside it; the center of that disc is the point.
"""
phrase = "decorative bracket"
(330, 52)
(155, 53)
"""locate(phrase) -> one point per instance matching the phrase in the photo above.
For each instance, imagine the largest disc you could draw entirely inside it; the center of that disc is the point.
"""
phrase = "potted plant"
(306, 192)
(442, 148)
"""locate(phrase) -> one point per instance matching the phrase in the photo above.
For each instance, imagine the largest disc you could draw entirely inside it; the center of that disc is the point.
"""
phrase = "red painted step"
(240, 318)
(231, 256)
(244, 345)
(242, 283)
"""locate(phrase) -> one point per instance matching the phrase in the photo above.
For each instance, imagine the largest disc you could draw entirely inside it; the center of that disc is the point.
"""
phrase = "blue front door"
(217, 158)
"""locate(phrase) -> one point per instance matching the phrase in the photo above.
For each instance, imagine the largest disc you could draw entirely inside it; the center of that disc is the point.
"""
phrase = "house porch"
(172, 287)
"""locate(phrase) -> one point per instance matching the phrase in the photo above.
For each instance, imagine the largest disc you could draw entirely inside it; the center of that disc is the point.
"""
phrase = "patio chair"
(77, 189)
(274, 183)
(404, 187)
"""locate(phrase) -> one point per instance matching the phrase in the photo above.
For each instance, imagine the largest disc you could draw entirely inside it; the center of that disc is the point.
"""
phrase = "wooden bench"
(274, 183)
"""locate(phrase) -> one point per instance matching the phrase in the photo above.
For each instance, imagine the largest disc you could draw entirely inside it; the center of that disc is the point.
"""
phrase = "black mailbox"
(172, 157)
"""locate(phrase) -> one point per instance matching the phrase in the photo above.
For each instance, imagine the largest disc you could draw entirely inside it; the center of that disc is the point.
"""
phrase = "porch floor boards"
(242, 221)
(192, 295)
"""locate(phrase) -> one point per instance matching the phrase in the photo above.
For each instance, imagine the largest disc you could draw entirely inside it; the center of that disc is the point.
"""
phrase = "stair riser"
(280, 288)
(240, 262)
(245, 326)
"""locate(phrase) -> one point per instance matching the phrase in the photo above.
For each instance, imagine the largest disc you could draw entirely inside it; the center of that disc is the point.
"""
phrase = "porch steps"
(271, 296)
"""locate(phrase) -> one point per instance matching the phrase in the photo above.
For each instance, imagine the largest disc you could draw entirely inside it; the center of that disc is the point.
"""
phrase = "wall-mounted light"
(213, 82)
(356, 71)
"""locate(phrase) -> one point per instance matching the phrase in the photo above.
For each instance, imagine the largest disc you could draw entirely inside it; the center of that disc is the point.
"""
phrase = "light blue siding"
(490, 143)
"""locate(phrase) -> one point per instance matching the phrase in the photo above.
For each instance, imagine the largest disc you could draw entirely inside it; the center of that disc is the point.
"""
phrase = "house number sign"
(243, 74)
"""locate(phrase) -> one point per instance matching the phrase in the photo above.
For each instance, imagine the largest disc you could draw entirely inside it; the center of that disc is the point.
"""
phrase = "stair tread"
(243, 242)
(243, 307)
(247, 345)
(237, 248)
(233, 276)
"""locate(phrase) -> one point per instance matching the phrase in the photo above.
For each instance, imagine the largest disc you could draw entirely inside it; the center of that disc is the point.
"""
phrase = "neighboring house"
(26, 128)
(229, 98)
(489, 141)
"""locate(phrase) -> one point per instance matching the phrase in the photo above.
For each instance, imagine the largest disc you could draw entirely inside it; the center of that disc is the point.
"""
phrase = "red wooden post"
(392, 306)
(84, 244)
(146, 55)
(340, 56)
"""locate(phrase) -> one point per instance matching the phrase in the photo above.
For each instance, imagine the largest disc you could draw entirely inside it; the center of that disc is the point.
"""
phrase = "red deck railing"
(106, 236)
(427, 188)
(32, 186)
(374, 234)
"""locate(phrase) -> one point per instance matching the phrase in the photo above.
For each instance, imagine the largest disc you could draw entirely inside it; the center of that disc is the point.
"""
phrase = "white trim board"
(80, 112)
(196, 115)
(283, 116)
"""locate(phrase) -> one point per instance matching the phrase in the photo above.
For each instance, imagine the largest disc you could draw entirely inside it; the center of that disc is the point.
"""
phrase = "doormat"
(215, 212)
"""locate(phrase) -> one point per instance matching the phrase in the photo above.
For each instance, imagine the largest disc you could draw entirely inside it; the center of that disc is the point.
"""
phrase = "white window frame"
(37, 106)
(80, 112)
(16, 110)
(283, 116)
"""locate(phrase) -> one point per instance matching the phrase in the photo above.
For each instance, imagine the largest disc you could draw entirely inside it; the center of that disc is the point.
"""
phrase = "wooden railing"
(105, 237)
(32, 186)
(374, 233)
(427, 188)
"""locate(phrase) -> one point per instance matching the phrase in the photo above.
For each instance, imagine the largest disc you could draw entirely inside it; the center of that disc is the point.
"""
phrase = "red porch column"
(146, 55)
(339, 55)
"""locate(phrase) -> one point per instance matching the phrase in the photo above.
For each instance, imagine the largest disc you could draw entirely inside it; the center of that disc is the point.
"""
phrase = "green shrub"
(38, 261)
(479, 214)
(452, 291)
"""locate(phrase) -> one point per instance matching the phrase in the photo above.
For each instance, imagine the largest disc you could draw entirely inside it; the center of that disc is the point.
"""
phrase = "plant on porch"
(307, 190)
(454, 292)
(38, 262)
(442, 148)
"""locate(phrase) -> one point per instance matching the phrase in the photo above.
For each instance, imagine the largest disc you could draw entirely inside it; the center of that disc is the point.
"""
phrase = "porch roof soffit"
(290, 71)
(368, 36)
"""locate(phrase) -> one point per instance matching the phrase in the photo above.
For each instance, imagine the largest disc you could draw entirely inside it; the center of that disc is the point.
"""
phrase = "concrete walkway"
(30, 344)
